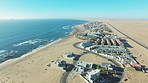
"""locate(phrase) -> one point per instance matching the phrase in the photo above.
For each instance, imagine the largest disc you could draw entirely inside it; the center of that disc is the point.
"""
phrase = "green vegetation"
(100, 68)
(97, 67)
(49, 65)
(77, 36)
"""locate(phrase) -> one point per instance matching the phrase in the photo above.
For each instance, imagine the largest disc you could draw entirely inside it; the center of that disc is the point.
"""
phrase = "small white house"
(84, 64)
(107, 66)
(81, 66)
(78, 69)
(91, 75)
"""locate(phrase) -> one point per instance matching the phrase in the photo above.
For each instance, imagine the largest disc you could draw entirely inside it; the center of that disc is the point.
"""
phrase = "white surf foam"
(29, 42)
(66, 27)
(2, 51)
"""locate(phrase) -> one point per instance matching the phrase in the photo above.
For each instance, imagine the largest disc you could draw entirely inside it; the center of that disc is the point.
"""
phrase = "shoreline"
(28, 55)
(33, 68)
(10, 61)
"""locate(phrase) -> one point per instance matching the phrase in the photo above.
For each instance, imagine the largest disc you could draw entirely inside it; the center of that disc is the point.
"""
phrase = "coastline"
(27, 55)
(33, 68)
(15, 60)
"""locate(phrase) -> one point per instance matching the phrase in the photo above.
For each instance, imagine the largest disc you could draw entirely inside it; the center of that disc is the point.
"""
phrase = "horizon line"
(77, 18)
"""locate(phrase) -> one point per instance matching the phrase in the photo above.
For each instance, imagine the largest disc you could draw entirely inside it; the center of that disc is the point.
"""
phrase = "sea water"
(18, 37)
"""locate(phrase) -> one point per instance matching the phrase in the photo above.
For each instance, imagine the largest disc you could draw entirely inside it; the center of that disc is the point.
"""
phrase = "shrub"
(49, 65)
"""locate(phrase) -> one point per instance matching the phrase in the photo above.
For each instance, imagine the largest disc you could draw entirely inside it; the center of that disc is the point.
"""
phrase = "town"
(100, 41)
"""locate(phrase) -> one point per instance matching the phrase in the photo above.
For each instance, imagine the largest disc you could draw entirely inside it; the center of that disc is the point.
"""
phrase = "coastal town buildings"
(91, 72)
(91, 75)
(70, 56)
(101, 42)
(105, 43)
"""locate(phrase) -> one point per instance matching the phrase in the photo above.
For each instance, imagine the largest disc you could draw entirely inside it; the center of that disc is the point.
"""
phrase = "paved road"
(118, 66)
(76, 46)
(65, 75)
(129, 37)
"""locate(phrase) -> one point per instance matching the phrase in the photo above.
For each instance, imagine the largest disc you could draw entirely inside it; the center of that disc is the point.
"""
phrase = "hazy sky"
(31, 9)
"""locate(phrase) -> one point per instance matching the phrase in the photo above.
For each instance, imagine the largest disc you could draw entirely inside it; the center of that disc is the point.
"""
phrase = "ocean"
(18, 37)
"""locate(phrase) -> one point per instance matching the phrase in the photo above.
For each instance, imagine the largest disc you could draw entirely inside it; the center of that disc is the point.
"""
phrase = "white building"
(85, 44)
(78, 70)
(91, 75)
(80, 67)
(107, 66)
(84, 64)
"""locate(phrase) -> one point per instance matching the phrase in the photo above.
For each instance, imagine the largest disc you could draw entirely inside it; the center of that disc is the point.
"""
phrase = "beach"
(32, 67)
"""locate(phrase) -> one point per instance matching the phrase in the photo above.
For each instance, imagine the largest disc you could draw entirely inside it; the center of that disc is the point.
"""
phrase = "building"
(91, 75)
(85, 44)
(84, 64)
(82, 67)
(70, 56)
(78, 69)
(59, 63)
(107, 66)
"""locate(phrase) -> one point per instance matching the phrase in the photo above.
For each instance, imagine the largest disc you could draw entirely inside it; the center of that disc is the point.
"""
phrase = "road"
(129, 37)
(65, 75)
(118, 67)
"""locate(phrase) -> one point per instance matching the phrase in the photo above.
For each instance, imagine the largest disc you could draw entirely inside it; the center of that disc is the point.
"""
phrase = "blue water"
(18, 37)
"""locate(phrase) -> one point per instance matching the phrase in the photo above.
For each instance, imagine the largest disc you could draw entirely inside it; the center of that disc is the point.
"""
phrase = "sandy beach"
(32, 68)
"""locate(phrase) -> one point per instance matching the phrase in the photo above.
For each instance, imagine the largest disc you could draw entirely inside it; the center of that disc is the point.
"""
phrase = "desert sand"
(74, 78)
(92, 58)
(137, 29)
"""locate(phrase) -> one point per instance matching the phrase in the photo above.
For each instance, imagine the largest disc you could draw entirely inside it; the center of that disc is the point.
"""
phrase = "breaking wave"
(2, 51)
(32, 42)
(66, 27)
(36, 34)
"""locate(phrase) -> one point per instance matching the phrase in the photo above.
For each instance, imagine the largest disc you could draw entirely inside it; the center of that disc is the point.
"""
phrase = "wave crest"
(2, 51)
(32, 42)
(66, 27)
